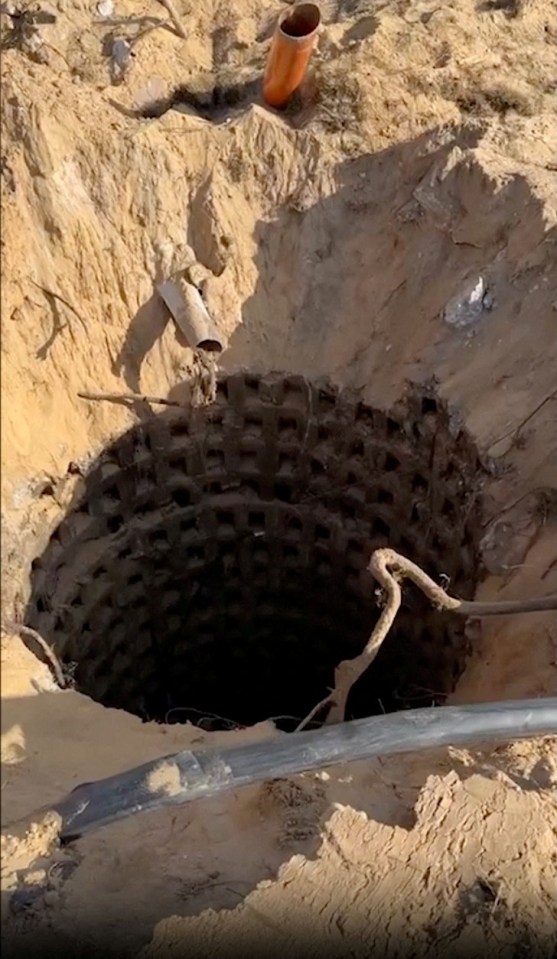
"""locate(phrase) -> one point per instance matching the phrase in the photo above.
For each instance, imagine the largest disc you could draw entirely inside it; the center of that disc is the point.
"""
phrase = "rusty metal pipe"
(291, 49)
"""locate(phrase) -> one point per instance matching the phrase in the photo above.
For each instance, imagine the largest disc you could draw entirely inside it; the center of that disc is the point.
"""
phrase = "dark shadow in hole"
(215, 103)
(220, 102)
(294, 612)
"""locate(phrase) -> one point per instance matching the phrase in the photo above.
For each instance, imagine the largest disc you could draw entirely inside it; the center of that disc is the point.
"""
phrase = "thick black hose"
(477, 609)
(184, 776)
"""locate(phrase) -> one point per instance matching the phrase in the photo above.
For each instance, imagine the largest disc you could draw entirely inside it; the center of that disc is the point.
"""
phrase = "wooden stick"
(129, 397)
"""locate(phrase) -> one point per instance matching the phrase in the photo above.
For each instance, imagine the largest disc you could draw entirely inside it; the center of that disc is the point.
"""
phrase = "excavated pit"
(215, 563)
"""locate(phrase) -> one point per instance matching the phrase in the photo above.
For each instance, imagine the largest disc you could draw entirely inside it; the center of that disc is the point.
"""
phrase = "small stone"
(121, 58)
(105, 9)
(468, 305)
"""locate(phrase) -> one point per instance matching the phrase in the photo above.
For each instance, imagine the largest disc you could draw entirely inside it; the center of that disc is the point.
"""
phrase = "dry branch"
(127, 398)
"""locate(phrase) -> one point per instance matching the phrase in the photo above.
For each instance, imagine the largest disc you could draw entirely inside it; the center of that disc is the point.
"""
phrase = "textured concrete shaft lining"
(216, 556)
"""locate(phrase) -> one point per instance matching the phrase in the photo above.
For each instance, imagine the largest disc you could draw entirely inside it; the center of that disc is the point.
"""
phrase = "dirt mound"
(393, 233)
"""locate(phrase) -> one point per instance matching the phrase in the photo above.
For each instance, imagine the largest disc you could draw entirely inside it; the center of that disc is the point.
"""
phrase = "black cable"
(185, 776)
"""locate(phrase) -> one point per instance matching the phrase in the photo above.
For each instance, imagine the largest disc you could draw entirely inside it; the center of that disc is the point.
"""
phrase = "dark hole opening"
(303, 20)
(237, 599)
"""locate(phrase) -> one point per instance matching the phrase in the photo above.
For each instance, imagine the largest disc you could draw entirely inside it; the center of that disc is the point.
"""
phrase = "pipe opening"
(215, 561)
(210, 346)
(302, 21)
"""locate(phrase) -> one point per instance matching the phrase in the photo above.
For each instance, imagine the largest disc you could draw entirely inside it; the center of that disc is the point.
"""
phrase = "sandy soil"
(328, 241)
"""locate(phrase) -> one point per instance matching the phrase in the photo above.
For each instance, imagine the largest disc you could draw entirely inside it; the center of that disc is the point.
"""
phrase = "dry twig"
(516, 431)
(128, 398)
(389, 569)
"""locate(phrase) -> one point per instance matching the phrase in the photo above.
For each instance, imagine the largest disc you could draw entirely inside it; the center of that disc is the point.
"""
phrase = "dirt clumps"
(164, 779)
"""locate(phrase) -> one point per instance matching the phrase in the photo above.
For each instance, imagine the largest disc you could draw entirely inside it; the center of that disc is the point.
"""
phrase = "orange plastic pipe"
(291, 48)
